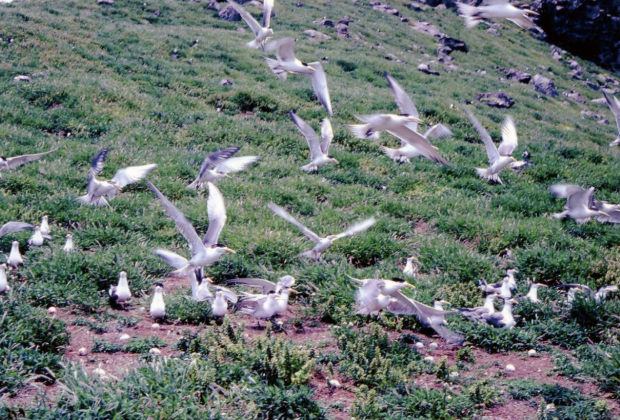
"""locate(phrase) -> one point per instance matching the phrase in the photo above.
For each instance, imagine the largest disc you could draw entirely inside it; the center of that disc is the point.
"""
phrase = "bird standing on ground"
(4, 286)
(411, 268)
(219, 305)
(322, 244)
(120, 293)
(532, 294)
(261, 33)
(579, 203)
(259, 306)
(123, 177)
(69, 244)
(45, 228)
(37, 237)
(158, 306)
(477, 313)
(282, 288)
(503, 319)
(319, 149)
(502, 289)
(495, 9)
(218, 165)
(12, 163)
(15, 258)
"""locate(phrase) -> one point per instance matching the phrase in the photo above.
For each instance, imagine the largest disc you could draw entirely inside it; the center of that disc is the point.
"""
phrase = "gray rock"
(452, 44)
(229, 14)
(415, 7)
(603, 121)
(576, 74)
(384, 8)
(575, 96)
(496, 99)
(425, 28)
(544, 85)
(589, 113)
(342, 30)
(226, 82)
(105, 2)
(425, 68)
(517, 75)
(213, 5)
(325, 22)
(493, 32)
(592, 85)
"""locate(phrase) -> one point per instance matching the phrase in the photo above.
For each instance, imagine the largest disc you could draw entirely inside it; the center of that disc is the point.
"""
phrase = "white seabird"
(15, 258)
(499, 158)
(372, 297)
(321, 243)
(503, 319)
(204, 252)
(614, 106)
(14, 162)
(579, 203)
(218, 165)
(45, 228)
(532, 294)
(259, 306)
(219, 305)
(287, 63)
(69, 244)
(158, 306)
(12, 227)
(495, 9)
(98, 189)
(37, 238)
(477, 313)
(268, 286)
(411, 268)
(319, 149)
(4, 286)
(120, 293)
(261, 33)
(501, 288)
(389, 287)
(599, 295)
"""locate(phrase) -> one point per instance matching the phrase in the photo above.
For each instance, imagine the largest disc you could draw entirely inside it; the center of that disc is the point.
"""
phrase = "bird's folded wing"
(247, 17)
(16, 161)
(311, 137)
(492, 152)
(357, 228)
(132, 174)
(287, 216)
(509, 137)
(11, 227)
(402, 305)
(217, 215)
(327, 135)
(319, 85)
(216, 158)
(236, 164)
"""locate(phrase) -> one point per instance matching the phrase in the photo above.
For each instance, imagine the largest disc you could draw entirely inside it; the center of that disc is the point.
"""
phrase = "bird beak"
(542, 285)
(409, 285)
(531, 12)
(445, 302)
(229, 251)
(513, 301)
(227, 176)
(336, 162)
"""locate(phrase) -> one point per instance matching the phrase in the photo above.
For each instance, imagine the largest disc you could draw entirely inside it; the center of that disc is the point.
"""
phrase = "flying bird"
(287, 63)
(14, 162)
(496, 9)
(319, 148)
(204, 252)
(69, 244)
(120, 293)
(98, 189)
(15, 257)
(158, 306)
(218, 165)
(267, 286)
(579, 203)
(390, 287)
(599, 295)
(372, 298)
(322, 244)
(499, 158)
(614, 106)
(261, 33)
(12, 227)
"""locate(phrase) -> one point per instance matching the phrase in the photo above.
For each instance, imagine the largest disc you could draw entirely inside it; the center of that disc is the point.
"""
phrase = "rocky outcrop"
(496, 99)
(544, 85)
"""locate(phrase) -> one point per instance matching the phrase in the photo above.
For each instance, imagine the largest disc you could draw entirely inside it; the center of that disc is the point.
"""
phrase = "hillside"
(143, 79)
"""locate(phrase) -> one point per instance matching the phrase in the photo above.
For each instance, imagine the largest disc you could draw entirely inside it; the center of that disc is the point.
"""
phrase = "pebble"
(51, 310)
(419, 345)
(99, 372)
(453, 375)
(124, 337)
(82, 351)
(429, 359)
(433, 345)
(531, 353)
(155, 326)
(510, 368)
(334, 383)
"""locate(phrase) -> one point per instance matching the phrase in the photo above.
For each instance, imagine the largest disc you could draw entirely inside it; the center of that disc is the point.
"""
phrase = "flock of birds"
(374, 295)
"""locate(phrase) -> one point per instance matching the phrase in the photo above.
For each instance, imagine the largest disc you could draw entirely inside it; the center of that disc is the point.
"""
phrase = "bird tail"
(363, 131)
(181, 272)
(470, 13)
(194, 185)
(274, 65)
(91, 200)
(560, 215)
(255, 44)
(394, 154)
(309, 168)
(487, 173)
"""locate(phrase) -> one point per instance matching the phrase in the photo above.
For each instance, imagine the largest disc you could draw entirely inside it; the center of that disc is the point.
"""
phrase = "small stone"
(496, 99)
(575, 74)
(334, 383)
(493, 32)
(415, 7)
(317, 35)
(575, 96)
(429, 359)
(517, 75)
(22, 79)
(544, 85)
(155, 326)
(105, 2)
(226, 82)
(603, 121)
(51, 311)
(419, 345)
(229, 14)
(155, 351)
(592, 85)
(124, 337)
(510, 368)
(425, 68)
(531, 353)
(325, 22)
(433, 345)
(82, 351)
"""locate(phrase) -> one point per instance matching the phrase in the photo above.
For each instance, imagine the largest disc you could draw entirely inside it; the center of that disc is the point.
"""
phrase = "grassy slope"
(106, 75)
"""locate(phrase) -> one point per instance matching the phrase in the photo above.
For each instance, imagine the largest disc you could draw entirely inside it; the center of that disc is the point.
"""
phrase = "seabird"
(45, 228)
(12, 227)
(205, 252)
(499, 158)
(438, 304)
(372, 297)
(258, 306)
(287, 63)
(219, 305)
(614, 106)
(98, 189)
(69, 244)
(503, 319)
(496, 9)
(599, 296)
(120, 293)
(502, 288)
(319, 149)
(321, 243)
(411, 268)
(579, 203)
(218, 165)
(4, 286)
(532, 294)
(158, 306)
(261, 33)
(477, 313)
(37, 237)
(268, 286)
(14, 162)
(15, 258)
(389, 287)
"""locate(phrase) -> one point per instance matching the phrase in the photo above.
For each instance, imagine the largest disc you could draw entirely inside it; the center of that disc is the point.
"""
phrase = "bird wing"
(582, 198)
(236, 164)
(614, 106)
(267, 285)
(132, 174)
(358, 281)
(319, 85)
(247, 17)
(16, 161)
(492, 152)
(404, 102)
(11, 227)
(217, 215)
(581, 287)
(216, 158)
(357, 228)
(267, 8)
(420, 143)
(284, 50)
(228, 294)
(494, 2)
(565, 190)
(170, 258)
(311, 137)
(522, 22)
(182, 223)
(287, 216)
(438, 131)
(97, 165)
(327, 135)
(285, 281)
(448, 335)
(367, 293)
(509, 137)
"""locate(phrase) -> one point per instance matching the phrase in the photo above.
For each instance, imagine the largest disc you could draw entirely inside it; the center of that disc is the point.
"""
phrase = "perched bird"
(477, 313)
(503, 319)
(261, 33)
(158, 306)
(532, 294)
(219, 305)
(319, 149)
(98, 189)
(4, 286)
(496, 9)
(614, 106)
(510, 277)
(411, 268)
(14, 162)
(37, 237)
(204, 252)
(287, 63)
(502, 288)
(218, 165)
(45, 228)
(599, 296)
(12, 227)
(579, 203)
(69, 244)
(321, 243)
(120, 293)
(15, 258)
(499, 158)
(259, 306)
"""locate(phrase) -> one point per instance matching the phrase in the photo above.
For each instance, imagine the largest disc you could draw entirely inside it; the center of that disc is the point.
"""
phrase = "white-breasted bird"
(477, 313)
(389, 287)
(204, 252)
(69, 244)
(15, 257)
(45, 228)
(499, 158)
(495, 9)
(14, 162)
(219, 305)
(12, 227)
(120, 293)
(504, 318)
(614, 106)
(4, 286)
(319, 148)
(258, 306)
(158, 306)
(37, 237)
(97, 190)
(287, 63)
(371, 298)
(599, 295)
(218, 165)
(532, 294)
(502, 289)
(579, 203)
(261, 32)
(322, 244)
(411, 268)
(267, 286)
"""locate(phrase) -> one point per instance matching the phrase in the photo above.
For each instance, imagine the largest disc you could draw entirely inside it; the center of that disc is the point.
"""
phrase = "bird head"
(69, 236)
(45, 218)
(223, 249)
(405, 284)
(3, 161)
(123, 275)
(333, 159)
(222, 174)
(444, 302)
(15, 244)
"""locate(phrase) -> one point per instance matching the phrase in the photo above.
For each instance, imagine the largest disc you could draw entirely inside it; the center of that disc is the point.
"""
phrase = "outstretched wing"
(236, 164)
(492, 152)
(614, 106)
(216, 158)
(319, 85)
(327, 135)
(357, 228)
(132, 174)
(404, 102)
(267, 9)
(97, 165)
(11, 227)
(217, 215)
(16, 161)
(438, 131)
(287, 216)
(265, 284)
(565, 190)
(311, 137)
(247, 17)
(509, 137)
